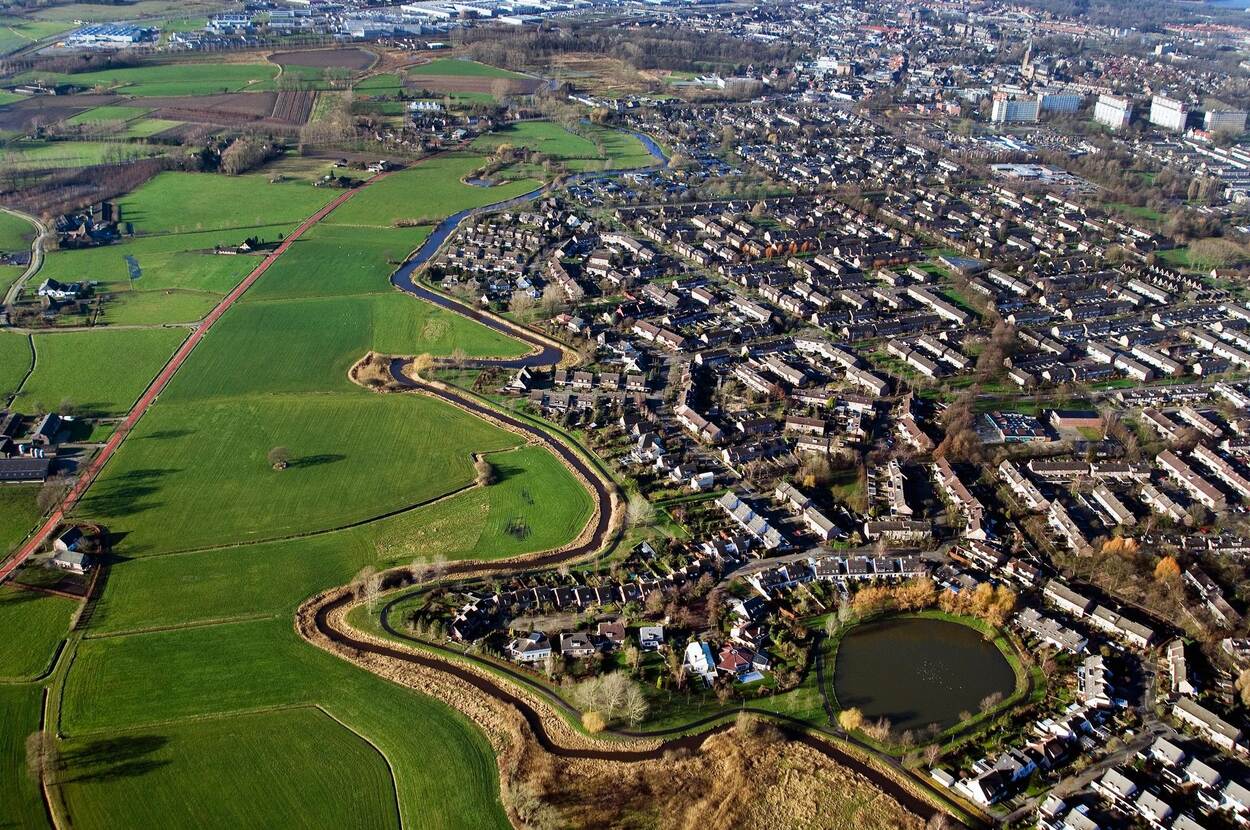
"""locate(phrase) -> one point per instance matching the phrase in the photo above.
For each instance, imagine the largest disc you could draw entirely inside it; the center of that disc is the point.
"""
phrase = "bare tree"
(639, 512)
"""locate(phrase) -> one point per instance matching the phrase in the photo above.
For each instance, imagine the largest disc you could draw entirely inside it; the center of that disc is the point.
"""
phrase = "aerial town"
(564, 413)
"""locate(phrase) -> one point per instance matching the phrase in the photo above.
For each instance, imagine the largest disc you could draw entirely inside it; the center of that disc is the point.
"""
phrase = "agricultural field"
(16, 235)
(19, 717)
(38, 155)
(109, 112)
(595, 145)
(20, 32)
(18, 514)
(32, 624)
(536, 506)
(225, 670)
(192, 496)
(455, 66)
(100, 372)
(229, 763)
(171, 79)
(16, 359)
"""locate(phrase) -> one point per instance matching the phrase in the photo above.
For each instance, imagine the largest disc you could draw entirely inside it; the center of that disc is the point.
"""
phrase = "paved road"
(157, 386)
(36, 255)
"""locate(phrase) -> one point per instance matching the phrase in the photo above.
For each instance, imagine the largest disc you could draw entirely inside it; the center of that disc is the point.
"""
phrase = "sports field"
(200, 607)
(99, 372)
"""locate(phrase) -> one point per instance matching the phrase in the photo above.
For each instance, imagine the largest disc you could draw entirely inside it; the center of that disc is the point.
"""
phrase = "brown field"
(469, 83)
(20, 116)
(350, 58)
(227, 108)
(740, 778)
(293, 107)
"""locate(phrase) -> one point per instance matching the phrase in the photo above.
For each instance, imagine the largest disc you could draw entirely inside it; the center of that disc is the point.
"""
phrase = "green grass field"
(16, 358)
(101, 372)
(168, 272)
(211, 627)
(455, 66)
(229, 763)
(169, 79)
(16, 233)
(234, 668)
(18, 514)
(33, 624)
(20, 802)
(109, 113)
(619, 149)
(354, 455)
(38, 155)
(19, 32)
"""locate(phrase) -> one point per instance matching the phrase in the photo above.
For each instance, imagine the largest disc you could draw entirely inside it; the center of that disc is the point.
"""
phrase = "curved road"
(158, 385)
(36, 255)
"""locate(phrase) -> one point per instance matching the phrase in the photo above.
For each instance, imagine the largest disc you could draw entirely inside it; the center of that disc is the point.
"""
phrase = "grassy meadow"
(215, 549)
(37, 623)
(100, 372)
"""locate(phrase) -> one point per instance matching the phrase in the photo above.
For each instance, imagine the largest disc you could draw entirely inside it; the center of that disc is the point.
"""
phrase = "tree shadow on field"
(126, 494)
(316, 460)
(111, 758)
(166, 434)
(19, 597)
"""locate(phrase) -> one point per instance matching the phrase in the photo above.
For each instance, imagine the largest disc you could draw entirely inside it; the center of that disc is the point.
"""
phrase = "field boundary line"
(160, 382)
(200, 718)
(399, 809)
(242, 618)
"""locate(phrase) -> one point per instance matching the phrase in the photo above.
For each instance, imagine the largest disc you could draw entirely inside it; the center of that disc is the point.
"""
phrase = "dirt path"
(158, 385)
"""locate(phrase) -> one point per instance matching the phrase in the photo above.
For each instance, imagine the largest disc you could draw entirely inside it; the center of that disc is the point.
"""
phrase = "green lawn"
(149, 778)
(169, 79)
(146, 127)
(455, 66)
(31, 626)
(102, 372)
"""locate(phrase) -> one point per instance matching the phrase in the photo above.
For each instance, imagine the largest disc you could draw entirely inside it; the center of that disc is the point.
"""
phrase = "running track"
(158, 385)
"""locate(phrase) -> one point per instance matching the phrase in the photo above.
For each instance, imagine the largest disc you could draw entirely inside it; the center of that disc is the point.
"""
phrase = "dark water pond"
(918, 671)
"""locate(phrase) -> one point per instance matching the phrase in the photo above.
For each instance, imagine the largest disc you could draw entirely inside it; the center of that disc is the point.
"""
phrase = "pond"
(918, 671)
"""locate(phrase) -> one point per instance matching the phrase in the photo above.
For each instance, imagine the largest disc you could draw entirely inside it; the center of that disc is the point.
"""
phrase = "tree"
(42, 760)
(279, 458)
(991, 700)
(486, 475)
(367, 585)
(851, 719)
(521, 304)
(636, 706)
(639, 512)
(1167, 570)
(1242, 684)
(553, 300)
